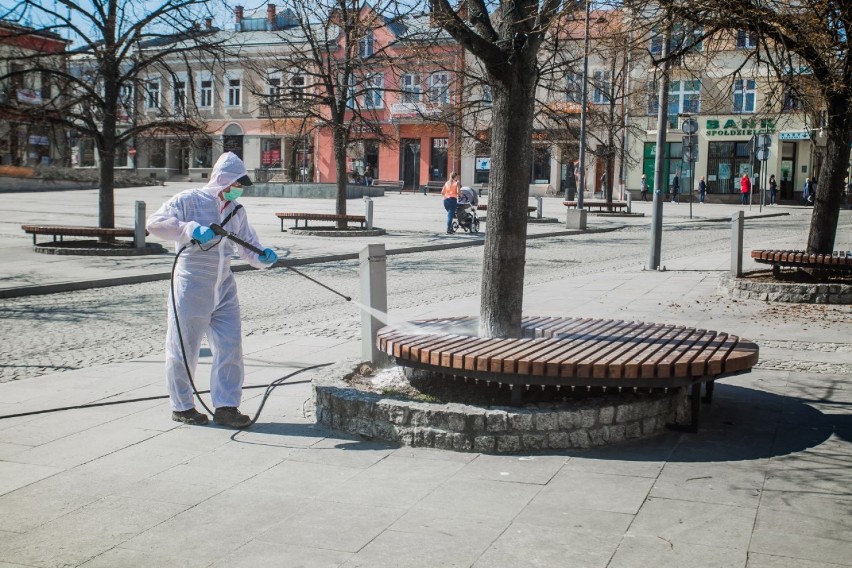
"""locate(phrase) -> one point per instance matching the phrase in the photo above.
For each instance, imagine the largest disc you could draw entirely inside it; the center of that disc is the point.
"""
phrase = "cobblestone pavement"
(44, 334)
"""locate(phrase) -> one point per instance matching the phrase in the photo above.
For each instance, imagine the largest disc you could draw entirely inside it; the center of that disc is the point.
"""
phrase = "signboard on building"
(739, 126)
(29, 96)
(483, 163)
(798, 135)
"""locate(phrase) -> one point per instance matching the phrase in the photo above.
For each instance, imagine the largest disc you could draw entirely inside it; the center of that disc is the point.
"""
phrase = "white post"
(374, 295)
(737, 222)
(629, 201)
(575, 219)
(538, 210)
(368, 211)
(139, 227)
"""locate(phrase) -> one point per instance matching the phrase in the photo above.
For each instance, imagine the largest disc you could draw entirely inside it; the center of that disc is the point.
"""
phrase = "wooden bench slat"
(684, 363)
(651, 366)
(743, 356)
(617, 367)
(633, 367)
(700, 366)
(569, 363)
(665, 366)
(595, 364)
(610, 365)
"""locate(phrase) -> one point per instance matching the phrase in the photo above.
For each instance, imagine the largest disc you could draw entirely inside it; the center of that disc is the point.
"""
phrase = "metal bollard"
(374, 297)
(368, 211)
(629, 202)
(737, 223)
(139, 227)
(538, 203)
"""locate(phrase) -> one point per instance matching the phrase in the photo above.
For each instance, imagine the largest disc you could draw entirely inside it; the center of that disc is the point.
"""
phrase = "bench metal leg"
(517, 394)
(708, 392)
(692, 427)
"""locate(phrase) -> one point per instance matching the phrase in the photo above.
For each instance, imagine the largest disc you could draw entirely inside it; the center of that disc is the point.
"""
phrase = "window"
(205, 94)
(791, 100)
(153, 101)
(685, 97)
(234, 92)
(573, 87)
(203, 154)
(375, 88)
(350, 93)
(366, 45)
(180, 97)
(411, 90)
(297, 87)
(601, 94)
(270, 152)
(273, 88)
(682, 39)
(746, 39)
(653, 98)
(439, 88)
(126, 103)
(540, 167)
(744, 95)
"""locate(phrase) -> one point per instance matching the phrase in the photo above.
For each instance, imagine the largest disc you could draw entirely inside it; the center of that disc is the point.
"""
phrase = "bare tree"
(506, 38)
(120, 43)
(337, 51)
(806, 44)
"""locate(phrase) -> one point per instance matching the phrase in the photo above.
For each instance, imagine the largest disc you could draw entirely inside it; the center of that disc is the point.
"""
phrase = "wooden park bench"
(325, 217)
(387, 184)
(575, 352)
(60, 231)
(838, 262)
(434, 185)
(599, 204)
(530, 208)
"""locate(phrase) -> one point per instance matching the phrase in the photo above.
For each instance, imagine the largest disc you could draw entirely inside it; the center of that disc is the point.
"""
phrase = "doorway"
(788, 171)
(409, 163)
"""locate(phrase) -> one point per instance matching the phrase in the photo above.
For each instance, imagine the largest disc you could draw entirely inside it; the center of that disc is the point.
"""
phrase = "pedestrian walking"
(675, 189)
(451, 199)
(644, 188)
(807, 191)
(773, 190)
(702, 190)
(745, 188)
(203, 299)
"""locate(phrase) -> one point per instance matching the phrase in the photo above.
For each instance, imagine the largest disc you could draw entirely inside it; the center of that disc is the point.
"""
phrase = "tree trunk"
(506, 230)
(106, 182)
(829, 191)
(342, 181)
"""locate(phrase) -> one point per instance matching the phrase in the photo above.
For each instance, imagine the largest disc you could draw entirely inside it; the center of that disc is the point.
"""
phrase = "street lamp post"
(581, 177)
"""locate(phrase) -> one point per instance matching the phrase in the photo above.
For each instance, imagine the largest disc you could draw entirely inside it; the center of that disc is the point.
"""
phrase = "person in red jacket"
(745, 188)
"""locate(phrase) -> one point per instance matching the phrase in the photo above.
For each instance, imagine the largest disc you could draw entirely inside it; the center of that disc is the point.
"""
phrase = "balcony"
(413, 110)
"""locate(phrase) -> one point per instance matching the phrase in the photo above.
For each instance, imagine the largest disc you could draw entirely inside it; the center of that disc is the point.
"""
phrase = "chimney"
(208, 23)
(270, 15)
(238, 14)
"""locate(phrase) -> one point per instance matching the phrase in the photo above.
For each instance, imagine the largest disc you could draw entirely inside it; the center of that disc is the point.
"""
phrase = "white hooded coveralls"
(204, 286)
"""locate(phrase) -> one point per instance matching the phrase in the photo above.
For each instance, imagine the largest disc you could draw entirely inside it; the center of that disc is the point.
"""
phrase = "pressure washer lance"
(219, 230)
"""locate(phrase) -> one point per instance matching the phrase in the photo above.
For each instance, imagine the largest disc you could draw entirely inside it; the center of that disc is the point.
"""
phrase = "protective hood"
(228, 169)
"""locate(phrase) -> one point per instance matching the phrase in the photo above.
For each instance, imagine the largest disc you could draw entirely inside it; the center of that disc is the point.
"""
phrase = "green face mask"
(234, 193)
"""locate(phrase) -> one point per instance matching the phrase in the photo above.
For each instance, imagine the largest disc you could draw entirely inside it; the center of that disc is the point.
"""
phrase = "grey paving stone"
(258, 553)
(734, 483)
(469, 499)
(640, 551)
(690, 522)
(86, 532)
(600, 492)
(394, 482)
(535, 469)
(300, 479)
(14, 475)
(217, 526)
(126, 558)
(392, 548)
(433, 454)
(756, 560)
(814, 537)
(7, 450)
(554, 509)
(334, 526)
(343, 452)
(533, 545)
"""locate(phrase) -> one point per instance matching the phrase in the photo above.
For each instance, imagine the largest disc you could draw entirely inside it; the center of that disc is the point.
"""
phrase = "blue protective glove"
(268, 256)
(202, 234)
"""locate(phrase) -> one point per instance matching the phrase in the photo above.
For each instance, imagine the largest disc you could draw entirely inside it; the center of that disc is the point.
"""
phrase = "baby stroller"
(466, 217)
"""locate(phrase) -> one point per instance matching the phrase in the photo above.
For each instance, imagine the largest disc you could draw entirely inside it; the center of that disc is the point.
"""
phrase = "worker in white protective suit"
(205, 293)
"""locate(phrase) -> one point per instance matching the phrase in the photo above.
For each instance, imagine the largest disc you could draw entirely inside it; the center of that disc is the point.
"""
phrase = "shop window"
(270, 152)
(203, 154)
(87, 153)
(482, 163)
(157, 153)
(540, 171)
(438, 159)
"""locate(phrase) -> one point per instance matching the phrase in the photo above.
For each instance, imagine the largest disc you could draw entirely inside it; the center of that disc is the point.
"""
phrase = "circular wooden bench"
(597, 203)
(836, 262)
(574, 352)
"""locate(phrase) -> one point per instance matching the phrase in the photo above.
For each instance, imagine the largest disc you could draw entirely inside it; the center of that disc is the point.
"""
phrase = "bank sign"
(739, 127)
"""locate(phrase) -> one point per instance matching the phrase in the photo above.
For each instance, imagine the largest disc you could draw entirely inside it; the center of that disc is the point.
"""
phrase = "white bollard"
(539, 209)
(737, 222)
(368, 211)
(139, 227)
(374, 295)
(629, 202)
(575, 219)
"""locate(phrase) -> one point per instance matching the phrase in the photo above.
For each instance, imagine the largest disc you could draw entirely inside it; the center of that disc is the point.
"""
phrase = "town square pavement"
(765, 483)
